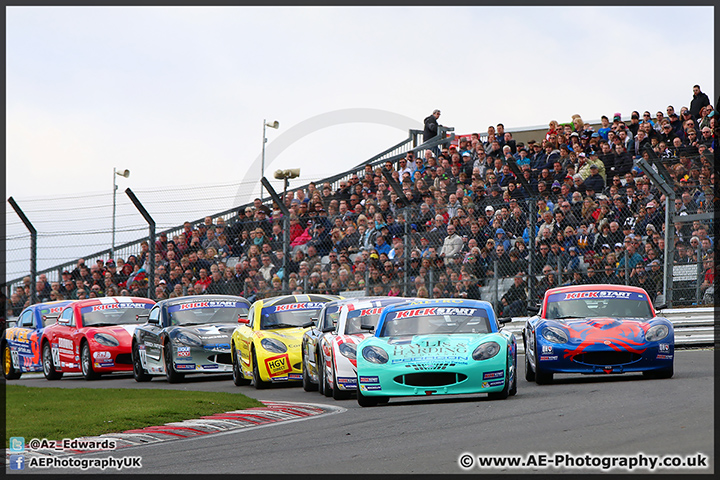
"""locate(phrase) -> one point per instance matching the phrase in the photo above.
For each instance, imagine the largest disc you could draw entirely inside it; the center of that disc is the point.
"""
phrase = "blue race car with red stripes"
(597, 329)
(21, 343)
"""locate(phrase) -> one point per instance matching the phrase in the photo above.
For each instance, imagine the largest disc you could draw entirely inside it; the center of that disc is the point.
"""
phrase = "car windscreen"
(207, 312)
(362, 316)
(289, 315)
(436, 320)
(330, 318)
(114, 314)
(597, 303)
(50, 314)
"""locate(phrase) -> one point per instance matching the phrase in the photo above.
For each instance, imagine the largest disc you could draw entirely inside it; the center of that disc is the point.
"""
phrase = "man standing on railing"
(431, 125)
(431, 129)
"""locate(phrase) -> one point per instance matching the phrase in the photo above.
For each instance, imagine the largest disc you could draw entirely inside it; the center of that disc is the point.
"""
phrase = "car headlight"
(272, 345)
(189, 339)
(348, 350)
(657, 332)
(555, 335)
(375, 354)
(486, 350)
(106, 339)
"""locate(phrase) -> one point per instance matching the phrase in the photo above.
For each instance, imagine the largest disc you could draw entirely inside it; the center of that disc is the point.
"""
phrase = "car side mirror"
(534, 309)
(504, 320)
(328, 329)
(146, 317)
(662, 306)
(63, 321)
(243, 320)
(370, 328)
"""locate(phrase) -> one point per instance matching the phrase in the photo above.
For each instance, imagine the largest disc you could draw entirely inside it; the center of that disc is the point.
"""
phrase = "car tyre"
(259, 383)
(172, 375)
(49, 365)
(9, 371)
(139, 372)
(364, 401)
(505, 392)
(529, 372)
(86, 363)
(327, 389)
(238, 378)
(513, 386)
(308, 386)
(338, 394)
(541, 377)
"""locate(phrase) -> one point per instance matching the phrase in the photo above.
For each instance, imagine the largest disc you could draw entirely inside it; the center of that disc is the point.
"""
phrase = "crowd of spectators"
(599, 220)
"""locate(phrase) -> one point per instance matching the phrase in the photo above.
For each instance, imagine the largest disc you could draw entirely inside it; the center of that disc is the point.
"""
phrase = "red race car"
(93, 336)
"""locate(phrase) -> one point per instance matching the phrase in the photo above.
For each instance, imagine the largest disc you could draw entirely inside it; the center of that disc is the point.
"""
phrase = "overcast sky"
(178, 95)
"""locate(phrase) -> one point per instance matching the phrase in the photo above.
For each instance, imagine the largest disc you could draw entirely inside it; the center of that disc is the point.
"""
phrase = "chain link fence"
(437, 234)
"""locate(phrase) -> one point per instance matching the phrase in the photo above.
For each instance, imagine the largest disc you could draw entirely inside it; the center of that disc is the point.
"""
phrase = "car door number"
(55, 355)
(15, 358)
(143, 357)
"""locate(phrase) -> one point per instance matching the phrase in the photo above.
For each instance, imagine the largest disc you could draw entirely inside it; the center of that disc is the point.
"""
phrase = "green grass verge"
(57, 413)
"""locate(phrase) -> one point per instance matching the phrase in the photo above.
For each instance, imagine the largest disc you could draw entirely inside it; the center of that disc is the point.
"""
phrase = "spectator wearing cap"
(594, 181)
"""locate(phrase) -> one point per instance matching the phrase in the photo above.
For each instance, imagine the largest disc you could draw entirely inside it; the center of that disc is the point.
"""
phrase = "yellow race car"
(266, 346)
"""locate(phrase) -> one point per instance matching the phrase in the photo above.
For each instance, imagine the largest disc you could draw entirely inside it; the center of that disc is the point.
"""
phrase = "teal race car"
(436, 347)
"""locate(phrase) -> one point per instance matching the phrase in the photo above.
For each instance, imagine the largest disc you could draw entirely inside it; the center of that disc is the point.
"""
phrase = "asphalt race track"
(599, 415)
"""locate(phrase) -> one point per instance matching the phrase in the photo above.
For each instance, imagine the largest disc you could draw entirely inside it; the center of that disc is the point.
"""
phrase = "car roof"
(366, 302)
(201, 298)
(109, 300)
(593, 286)
(301, 298)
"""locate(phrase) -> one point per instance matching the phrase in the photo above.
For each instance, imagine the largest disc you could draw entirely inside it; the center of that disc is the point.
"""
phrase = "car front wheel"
(139, 372)
(172, 375)
(9, 371)
(238, 378)
(49, 365)
(86, 363)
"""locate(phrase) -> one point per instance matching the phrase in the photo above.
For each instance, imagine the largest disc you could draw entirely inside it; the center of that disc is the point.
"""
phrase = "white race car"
(337, 348)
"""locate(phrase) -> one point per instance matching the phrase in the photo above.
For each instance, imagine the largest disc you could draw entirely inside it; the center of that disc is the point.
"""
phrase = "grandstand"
(600, 219)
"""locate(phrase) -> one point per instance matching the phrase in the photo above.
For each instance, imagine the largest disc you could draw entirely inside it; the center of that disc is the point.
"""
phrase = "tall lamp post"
(275, 125)
(125, 173)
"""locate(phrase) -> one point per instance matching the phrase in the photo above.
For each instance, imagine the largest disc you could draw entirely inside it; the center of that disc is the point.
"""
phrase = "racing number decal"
(278, 365)
(143, 355)
(55, 354)
(15, 359)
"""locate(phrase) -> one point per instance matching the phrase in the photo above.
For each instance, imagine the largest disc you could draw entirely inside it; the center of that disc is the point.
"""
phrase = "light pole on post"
(125, 173)
(275, 125)
(283, 175)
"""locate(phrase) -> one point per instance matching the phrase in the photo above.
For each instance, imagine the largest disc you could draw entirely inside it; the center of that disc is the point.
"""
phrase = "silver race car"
(187, 335)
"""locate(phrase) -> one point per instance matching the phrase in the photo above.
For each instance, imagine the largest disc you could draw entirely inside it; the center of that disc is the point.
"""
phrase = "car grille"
(223, 358)
(430, 379)
(123, 359)
(607, 358)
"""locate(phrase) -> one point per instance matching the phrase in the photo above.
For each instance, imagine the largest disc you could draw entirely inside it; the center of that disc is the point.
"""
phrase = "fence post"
(497, 281)
(430, 282)
(33, 251)
(699, 274)
(151, 227)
